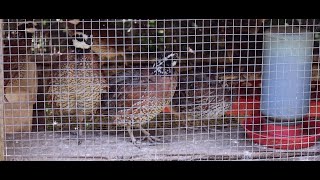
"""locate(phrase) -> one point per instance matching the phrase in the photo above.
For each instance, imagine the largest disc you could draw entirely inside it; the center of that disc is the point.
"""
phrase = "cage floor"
(224, 144)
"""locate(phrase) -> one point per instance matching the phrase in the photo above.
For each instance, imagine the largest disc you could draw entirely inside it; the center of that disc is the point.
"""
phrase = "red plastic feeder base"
(280, 136)
(282, 130)
(304, 135)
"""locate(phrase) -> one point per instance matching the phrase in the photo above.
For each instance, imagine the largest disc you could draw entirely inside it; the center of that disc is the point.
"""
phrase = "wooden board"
(21, 92)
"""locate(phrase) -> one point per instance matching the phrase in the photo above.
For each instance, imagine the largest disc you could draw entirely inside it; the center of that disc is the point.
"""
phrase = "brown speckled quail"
(205, 96)
(138, 96)
(77, 85)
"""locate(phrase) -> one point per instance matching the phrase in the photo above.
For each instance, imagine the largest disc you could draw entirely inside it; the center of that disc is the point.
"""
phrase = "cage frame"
(237, 156)
(2, 141)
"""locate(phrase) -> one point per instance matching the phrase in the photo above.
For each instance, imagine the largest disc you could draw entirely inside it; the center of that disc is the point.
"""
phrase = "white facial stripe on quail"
(81, 44)
(31, 30)
(160, 69)
(170, 55)
(174, 63)
(74, 21)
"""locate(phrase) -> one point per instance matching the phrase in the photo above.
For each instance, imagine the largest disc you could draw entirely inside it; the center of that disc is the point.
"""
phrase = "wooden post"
(1, 96)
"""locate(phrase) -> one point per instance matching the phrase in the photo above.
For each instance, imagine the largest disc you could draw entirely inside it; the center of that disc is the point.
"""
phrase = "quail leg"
(149, 137)
(133, 139)
(80, 129)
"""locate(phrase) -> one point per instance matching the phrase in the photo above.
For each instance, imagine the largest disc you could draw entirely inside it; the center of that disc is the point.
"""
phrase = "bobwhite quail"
(77, 85)
(106, 42)
(138, 96)
(205, 97)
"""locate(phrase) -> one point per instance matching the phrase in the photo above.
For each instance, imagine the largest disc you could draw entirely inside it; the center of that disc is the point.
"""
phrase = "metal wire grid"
(219, 61)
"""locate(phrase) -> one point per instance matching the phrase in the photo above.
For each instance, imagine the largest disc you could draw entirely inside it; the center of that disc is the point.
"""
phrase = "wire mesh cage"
(159, 89)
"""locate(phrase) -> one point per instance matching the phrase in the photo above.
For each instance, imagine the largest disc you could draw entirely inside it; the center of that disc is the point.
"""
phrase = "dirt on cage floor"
(224, 144)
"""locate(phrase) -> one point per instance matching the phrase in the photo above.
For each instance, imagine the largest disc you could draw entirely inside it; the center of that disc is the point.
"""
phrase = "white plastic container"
(286, 76)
